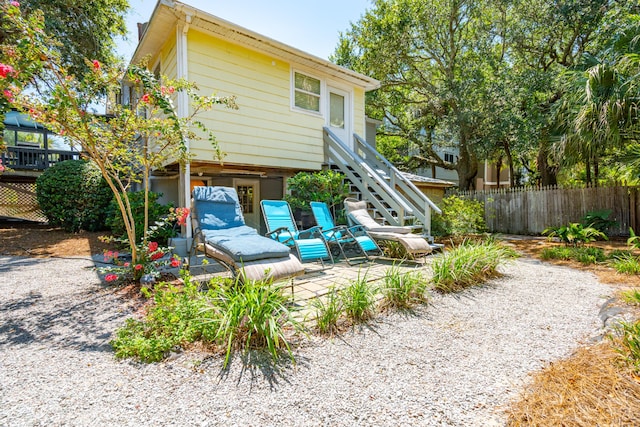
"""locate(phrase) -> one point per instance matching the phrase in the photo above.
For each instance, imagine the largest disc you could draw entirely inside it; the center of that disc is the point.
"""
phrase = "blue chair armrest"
(273, 234)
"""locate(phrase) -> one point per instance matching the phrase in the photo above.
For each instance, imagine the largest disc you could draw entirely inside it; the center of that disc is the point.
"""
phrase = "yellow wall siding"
(264, 131)
(168, 60)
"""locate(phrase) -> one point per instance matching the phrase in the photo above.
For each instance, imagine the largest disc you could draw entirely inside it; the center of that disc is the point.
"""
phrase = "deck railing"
(28, 158)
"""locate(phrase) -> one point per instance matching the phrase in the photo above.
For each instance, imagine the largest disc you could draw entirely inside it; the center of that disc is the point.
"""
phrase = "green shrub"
(626, 339)
(631, 296)
(583, 254)
(328, 310)
(358, 299)
(324, 186)
(625, 264)
(175, 319)
(254, 315)
(599, 220)
(619, 253)
(574, 233)
(136, 199)
(403, 289)
(563, 253)
(589, 255)
(73, 195)
(459, 217)
(469, 264)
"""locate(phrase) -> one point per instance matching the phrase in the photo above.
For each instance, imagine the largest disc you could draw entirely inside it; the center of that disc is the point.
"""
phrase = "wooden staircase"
(395, 199)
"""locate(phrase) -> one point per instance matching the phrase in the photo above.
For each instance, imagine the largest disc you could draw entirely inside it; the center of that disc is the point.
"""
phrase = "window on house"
(306, 92)
(448, 157)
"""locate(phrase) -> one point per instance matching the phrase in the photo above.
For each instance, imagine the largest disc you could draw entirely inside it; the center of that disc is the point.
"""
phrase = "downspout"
(182, 72)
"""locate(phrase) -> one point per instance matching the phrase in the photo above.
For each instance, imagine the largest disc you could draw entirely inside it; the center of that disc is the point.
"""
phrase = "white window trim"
(292, 93)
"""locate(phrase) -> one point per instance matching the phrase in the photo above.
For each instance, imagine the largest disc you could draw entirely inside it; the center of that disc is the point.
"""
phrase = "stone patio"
(316, 282)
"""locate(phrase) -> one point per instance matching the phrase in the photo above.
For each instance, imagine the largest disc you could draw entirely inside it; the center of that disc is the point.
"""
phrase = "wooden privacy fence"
(531, 210)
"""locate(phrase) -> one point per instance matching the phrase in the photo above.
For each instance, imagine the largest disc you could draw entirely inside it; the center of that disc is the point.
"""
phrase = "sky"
(312, 26)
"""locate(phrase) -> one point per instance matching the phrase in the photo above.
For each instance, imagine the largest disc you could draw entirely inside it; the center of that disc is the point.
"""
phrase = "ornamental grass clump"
(625, 264)
(252, 315)
(328, 309)
(359, 300)
(403, 290)
(469, 264)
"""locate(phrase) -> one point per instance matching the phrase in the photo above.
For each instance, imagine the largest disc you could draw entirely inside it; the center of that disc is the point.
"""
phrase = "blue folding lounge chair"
(309, 244)
(342, 236)
(221, 234)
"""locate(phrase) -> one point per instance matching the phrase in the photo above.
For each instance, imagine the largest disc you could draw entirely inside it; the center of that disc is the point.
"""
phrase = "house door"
(339, 115)
(249, 195)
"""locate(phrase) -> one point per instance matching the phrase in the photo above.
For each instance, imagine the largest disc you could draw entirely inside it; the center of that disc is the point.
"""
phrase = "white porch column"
(184, 191)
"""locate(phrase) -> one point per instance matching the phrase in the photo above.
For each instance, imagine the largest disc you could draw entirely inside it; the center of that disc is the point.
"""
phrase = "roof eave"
(162, 22)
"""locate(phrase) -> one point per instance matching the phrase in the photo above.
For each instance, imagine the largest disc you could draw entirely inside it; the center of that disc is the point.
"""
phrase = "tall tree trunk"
(467, 166)
(507, 152)
(587, 169)
(548, 173)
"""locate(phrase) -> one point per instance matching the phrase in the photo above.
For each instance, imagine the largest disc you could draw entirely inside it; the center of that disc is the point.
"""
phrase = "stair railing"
(365, 179)
(377, 174)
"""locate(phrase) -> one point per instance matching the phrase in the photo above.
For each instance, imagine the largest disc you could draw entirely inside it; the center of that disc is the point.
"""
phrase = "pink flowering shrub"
(152, 258)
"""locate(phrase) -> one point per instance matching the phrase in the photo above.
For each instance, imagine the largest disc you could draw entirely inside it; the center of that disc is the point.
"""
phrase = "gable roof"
(167, 14)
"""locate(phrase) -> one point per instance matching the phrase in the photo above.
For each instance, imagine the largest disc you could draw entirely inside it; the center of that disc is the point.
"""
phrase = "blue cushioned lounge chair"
(310, 244)
(221, 234)
(342, 236)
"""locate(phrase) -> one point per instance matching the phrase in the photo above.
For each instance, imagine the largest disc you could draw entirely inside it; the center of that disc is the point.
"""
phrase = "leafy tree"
(430, 57)
(87, 29)
(125, 145)
(601, 114)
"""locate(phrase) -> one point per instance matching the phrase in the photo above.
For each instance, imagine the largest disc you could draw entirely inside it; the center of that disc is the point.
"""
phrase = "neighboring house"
(293, 107)
(31, 149)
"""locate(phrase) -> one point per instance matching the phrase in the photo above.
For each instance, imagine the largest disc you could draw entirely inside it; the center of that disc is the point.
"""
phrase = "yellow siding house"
(285, 97)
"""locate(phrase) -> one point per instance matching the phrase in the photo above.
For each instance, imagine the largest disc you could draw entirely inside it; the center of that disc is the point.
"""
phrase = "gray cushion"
(244, 244)
(217, 208)
(362, 217)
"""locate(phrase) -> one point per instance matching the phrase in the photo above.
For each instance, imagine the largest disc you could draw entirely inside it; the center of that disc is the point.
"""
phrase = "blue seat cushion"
(244, 244)
(217, 208)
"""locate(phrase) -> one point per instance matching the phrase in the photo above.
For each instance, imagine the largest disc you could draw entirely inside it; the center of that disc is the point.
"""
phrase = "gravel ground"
(456, 362)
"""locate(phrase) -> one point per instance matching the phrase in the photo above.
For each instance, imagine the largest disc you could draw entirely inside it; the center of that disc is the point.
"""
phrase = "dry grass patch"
(591, 388)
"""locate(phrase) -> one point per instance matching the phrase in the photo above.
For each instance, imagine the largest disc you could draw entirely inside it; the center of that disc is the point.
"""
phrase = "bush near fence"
(529, 210)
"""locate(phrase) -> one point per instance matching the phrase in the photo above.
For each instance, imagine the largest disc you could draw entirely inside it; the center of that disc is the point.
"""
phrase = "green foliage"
(460, 216)
(393, 249)
(633, 241)
(102, 23)
(469, 264)
(73, 195)
(631, 296)
(583, 254)
(599, 220)
(328, 310)
(254, 315)
(176, 318)
(404, 289)
(574, 233)
(125, 145)
(626, 339)
(154, 210)
(324, 186)
(358, 299)
(625, 264)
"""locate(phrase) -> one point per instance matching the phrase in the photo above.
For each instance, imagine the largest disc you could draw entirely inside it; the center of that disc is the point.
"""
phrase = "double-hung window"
(307, 92)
